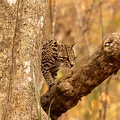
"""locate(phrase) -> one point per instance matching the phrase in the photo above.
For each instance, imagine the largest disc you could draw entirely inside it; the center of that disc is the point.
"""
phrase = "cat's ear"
(60, 46)
(74, 47)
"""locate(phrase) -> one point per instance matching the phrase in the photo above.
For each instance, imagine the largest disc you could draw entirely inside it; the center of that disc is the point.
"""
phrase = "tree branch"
(81, 81)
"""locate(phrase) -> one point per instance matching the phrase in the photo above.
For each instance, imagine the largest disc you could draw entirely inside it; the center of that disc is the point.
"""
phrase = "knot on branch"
(65, 88)
(111, 45)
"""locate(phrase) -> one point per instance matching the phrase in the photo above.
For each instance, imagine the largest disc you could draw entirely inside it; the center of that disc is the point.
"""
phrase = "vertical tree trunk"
(20, 38)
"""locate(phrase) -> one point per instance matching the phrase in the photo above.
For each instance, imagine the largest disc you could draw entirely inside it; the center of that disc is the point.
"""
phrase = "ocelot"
(55, 54)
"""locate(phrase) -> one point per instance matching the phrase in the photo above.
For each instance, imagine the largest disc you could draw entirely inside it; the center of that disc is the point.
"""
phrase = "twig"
(84, 22)
(50, 108)
(37, 96)
(89, 11)
(106, 93)
(53, 17)
(101, 22)
(107, 83)
(77, 13)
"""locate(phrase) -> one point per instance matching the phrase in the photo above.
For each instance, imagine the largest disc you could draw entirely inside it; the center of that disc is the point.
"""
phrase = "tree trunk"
(20, 45)
(94, 70)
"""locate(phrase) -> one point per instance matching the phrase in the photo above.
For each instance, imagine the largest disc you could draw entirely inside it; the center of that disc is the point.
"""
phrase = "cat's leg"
(54, 71)
(48, 77)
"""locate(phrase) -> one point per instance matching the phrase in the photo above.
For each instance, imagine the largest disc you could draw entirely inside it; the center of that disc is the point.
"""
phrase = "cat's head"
(67, 55)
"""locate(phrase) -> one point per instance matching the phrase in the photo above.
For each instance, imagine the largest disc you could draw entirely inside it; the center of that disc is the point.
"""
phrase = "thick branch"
(94, 70)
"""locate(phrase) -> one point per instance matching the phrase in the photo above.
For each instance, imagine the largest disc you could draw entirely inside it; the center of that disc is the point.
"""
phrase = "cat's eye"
(65, 57)
(75, 58)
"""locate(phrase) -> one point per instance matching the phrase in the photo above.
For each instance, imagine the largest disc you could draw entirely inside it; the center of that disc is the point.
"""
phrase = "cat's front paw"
(51, 84)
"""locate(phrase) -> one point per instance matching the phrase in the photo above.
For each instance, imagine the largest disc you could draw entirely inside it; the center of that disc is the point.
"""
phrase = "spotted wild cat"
(54, 54)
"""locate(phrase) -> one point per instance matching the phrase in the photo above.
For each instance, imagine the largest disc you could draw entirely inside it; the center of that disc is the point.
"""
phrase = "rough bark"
(93, 71)
(20, 39)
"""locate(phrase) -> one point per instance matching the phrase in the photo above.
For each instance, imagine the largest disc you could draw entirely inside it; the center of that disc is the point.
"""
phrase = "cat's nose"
(71, 65)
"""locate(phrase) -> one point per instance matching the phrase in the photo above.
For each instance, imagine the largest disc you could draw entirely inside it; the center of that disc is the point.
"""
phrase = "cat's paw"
(51, 84)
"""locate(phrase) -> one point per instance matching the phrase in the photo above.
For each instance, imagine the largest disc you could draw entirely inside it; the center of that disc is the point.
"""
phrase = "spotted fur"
(54, 54)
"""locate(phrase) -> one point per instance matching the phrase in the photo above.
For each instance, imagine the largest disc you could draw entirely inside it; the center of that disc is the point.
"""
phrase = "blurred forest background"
(86, 23)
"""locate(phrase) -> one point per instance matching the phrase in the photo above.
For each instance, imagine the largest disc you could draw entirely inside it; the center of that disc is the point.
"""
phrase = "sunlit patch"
(107, 44)
(27, 69)
(42, 21)
(29, 78)
(27, 63)
(27, 66)
(11, 2)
